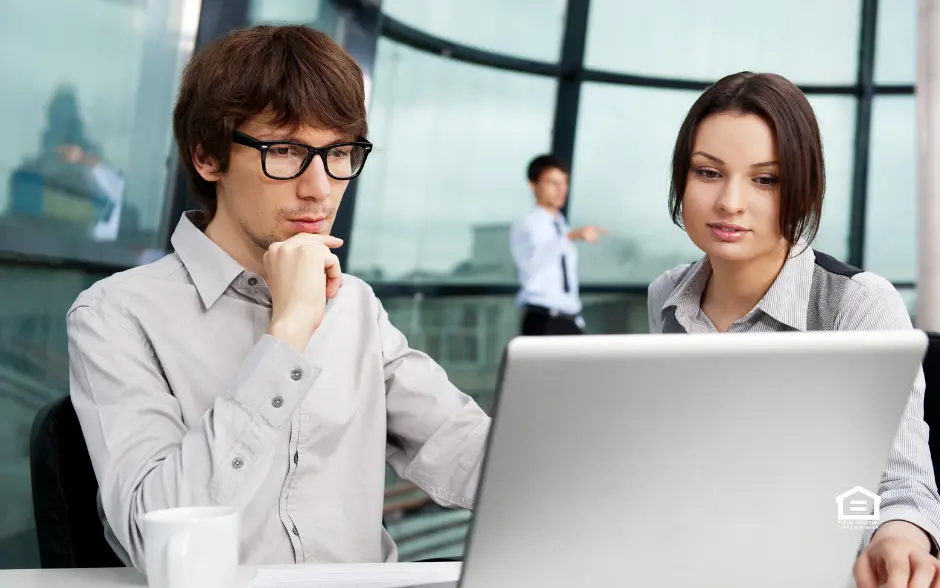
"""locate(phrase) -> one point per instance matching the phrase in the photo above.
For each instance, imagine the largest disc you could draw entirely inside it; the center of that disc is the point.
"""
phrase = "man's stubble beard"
(261, 242)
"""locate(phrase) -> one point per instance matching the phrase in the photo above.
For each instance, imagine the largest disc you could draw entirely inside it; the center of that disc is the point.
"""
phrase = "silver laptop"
(687, 460)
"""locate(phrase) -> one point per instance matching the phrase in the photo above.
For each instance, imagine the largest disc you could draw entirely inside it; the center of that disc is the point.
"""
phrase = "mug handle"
(176, 549)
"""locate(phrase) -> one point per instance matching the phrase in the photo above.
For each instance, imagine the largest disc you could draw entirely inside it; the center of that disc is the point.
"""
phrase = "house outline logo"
(858, 509)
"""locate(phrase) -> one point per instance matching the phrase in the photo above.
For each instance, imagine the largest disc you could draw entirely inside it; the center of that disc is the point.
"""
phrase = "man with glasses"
(245, 369)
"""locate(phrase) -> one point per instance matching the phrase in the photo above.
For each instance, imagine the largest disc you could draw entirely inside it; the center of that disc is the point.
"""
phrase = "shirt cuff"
(911, 516)
(273, 380)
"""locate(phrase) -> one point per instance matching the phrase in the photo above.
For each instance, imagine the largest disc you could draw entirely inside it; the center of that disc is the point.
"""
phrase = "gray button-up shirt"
(185, 400)
(815, 292)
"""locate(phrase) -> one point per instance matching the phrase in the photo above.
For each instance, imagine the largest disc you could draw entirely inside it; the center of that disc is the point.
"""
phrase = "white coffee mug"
(191, 547)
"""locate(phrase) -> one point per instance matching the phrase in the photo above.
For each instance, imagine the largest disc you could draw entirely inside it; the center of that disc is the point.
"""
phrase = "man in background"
(546, 260)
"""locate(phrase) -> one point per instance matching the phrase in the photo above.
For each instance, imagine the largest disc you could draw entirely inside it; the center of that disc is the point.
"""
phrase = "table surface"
(131, 578)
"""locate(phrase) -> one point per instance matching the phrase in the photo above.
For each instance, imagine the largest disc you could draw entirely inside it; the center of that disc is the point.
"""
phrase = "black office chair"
(65, 493)
(932, 398)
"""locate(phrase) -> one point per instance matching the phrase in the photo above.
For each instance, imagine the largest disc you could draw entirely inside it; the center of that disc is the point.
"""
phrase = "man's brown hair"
(297, 74)
(802, 175)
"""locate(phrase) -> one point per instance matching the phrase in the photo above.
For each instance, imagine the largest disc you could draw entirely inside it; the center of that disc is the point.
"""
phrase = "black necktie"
(564, 267)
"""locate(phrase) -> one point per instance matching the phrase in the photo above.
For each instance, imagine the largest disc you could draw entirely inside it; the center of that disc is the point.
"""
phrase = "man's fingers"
(898, 570)
(333, 286)
(923, 570)
(334, 275)
(310, 242)
(331, 266)
(331, 241)
(864, 573)
(328, 240)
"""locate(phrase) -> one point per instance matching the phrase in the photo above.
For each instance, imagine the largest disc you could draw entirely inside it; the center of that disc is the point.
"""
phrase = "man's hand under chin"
(898, 557)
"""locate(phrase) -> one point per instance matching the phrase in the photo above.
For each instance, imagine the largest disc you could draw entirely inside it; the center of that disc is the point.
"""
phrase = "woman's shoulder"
(874, 294)
(662, 287)
(669, 279)
(660, 290)
(855, 283)
(861, 300)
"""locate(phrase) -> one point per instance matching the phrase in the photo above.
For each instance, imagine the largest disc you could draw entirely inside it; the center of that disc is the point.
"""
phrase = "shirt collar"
(555, 217)
(687, 295)
(787, 300)
(788, 297)
(211, 269)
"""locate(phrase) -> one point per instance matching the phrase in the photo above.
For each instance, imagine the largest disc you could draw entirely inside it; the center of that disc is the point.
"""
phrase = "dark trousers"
(539, 321)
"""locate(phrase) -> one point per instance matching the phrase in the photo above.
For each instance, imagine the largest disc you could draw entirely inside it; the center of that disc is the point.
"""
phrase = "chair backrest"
(932, 398)
(65, 492)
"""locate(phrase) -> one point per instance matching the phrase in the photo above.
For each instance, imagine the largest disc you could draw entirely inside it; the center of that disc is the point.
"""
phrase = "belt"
(533, 308)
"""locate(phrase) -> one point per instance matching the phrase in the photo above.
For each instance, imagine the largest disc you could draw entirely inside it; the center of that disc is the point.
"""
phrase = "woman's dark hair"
(802, 174)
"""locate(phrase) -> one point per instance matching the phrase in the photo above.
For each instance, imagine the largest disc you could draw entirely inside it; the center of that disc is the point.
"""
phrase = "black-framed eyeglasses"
(285, 160)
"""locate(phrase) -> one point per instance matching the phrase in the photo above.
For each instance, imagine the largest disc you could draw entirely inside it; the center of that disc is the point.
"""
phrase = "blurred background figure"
(67, 184)
(545, 258)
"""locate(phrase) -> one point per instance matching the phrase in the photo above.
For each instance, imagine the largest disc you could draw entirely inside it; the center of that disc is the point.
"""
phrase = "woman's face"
(731, 205)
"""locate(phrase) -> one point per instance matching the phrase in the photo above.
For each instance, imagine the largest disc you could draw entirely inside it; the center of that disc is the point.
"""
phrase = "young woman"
(747, 186)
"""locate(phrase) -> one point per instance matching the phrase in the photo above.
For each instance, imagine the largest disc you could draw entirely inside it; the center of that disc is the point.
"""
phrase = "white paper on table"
(396, 575)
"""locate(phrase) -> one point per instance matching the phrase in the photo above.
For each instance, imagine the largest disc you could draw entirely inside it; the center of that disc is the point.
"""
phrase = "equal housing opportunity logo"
(858, 508)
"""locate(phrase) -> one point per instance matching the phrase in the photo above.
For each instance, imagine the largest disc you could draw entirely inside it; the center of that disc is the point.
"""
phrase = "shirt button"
(296, 457)
(277, 402)
(295, 531)
(237, 463)
(252, 281)
(296, 373)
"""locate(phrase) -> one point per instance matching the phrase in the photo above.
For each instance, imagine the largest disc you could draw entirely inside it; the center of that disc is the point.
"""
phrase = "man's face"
(268, 210)
(551, 189)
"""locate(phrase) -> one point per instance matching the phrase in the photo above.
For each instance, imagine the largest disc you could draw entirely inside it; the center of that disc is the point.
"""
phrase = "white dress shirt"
(540, 245)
